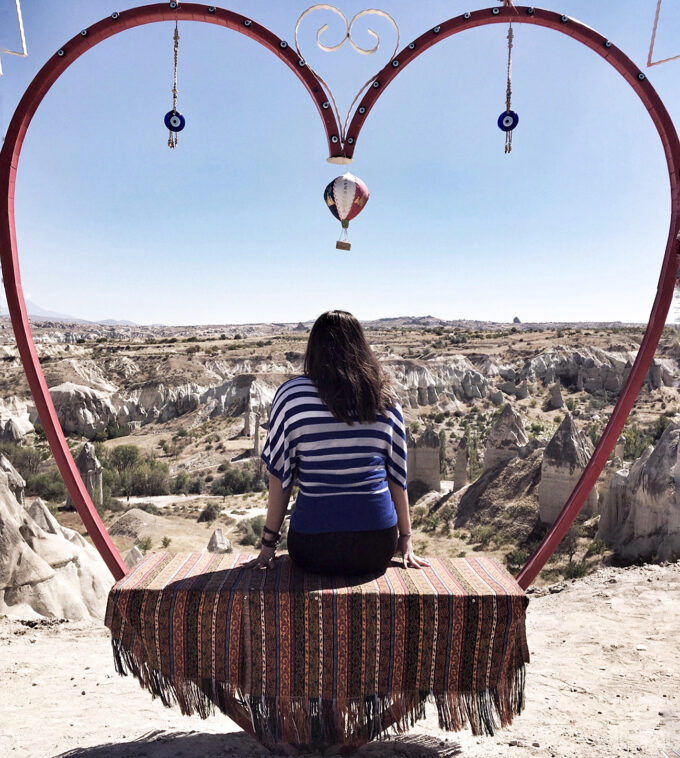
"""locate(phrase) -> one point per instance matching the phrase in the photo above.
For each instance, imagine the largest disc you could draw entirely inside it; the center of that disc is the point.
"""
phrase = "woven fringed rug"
(321, 660)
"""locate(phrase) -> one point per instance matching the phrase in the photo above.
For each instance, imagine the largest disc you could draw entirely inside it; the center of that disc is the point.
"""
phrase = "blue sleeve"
(277, 453)
(395, 463)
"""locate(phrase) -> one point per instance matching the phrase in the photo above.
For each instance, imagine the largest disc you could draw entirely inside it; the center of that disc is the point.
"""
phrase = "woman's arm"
(404, 546)
(277, 504)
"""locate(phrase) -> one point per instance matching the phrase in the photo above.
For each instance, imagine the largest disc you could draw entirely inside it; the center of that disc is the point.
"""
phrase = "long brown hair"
(344, 369)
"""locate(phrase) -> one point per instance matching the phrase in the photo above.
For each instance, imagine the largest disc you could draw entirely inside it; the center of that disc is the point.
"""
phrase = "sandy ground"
(603, 681)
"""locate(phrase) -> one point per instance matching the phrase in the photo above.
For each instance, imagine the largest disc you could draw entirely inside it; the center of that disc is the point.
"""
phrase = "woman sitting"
(340, 429)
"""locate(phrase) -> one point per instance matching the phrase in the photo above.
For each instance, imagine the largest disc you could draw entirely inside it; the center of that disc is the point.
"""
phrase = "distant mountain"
(38, 313)
(35, 311)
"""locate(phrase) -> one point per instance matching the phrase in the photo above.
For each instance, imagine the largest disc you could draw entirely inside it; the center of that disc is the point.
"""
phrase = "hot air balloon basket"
(340, 245)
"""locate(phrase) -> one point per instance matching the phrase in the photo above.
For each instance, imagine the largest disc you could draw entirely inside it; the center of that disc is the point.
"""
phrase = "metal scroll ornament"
(328, 48)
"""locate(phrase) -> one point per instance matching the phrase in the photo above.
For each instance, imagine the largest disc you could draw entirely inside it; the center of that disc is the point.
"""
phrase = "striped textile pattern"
(324, 659)
(329, 456)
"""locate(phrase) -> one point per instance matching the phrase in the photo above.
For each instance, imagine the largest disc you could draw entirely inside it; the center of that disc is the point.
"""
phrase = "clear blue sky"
(231, 227)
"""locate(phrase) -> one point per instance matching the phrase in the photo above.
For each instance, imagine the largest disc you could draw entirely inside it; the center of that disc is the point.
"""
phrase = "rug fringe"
(316, 721)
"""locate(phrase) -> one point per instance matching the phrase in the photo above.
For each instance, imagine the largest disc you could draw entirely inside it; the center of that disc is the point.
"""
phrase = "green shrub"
(180, 484)
(596, 547)
(209, 513)
(165, 542)
(250, 532)
(636, 442)
(48, 485)
(154, 510)
(575, 570)
(144, 544)
(26, 460)
(483, 535)
(238, 480)
(660, 424)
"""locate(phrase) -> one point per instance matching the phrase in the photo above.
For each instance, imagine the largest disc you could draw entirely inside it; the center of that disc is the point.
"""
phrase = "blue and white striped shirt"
(341, 468)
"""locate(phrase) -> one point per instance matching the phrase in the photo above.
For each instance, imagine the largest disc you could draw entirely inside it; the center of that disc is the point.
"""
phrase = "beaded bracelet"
(267, 530)
(269, 543)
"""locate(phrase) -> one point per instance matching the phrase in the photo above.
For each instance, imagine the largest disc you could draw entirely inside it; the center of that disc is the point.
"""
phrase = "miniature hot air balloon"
(346, 196)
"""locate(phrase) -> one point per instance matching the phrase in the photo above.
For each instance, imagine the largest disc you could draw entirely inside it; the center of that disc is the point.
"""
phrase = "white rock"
(133, 557)
(218, 543)
(44, 569)
(564, 459)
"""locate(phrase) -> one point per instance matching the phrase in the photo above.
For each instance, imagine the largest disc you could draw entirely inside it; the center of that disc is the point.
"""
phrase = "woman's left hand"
(264, 560)
(409, 558)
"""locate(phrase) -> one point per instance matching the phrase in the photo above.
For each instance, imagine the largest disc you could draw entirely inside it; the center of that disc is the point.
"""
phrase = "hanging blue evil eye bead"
(507, 121)
(175, 121)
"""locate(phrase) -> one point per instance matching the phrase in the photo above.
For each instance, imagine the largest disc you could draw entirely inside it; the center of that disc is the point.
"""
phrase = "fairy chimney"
(90, 470)
(506, 438)
(564, 459)
(461, 464)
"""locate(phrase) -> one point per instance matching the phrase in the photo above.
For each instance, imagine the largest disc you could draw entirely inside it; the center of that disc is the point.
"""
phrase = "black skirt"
(349, 553)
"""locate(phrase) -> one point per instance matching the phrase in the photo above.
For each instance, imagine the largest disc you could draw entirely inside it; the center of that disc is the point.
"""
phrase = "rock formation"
(135, 523)
(640, 514)
(556, 400)
(15, 482)
(218, 543)
(506, 438)
(445, 382)
(423, 473)
(592, 369)
(133, 557)
(620, 447)
(522, 390)
(564, 459)
(247, 423)
(90, 470)
(46, 569)
(15, 423)
(460, 466)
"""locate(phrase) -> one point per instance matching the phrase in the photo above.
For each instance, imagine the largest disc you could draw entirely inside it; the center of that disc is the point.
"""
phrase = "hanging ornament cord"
(508, 90)
(172, 136)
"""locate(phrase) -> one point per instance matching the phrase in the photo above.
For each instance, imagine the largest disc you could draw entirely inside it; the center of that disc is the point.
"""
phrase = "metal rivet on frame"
(247, 22)
(83, 32)
(283, 43)
(212, 9)
(395, 64)
(375, 84)
(495, 11)
(437, 29)
(564, 19)
(173, 6)
(530, 11)
(301, 63)
(325, 105)
(607, 44)
(60, 53)
(362, 109)
(115, 15)
(334, 139)
(466, 16)
(412, 46)
(350, 140)
(641, 76)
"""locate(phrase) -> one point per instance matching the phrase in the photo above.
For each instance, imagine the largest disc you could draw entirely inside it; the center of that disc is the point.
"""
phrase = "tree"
(124, 457)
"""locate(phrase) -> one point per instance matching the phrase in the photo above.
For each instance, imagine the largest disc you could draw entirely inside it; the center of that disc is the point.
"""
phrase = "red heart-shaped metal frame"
(339, 151)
